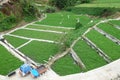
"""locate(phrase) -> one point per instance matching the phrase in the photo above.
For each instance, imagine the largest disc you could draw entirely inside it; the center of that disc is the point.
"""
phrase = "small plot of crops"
(39, 51)
(109, 47)
(110, 29)
(47, 28)
(16, 42)
(90, 57)
(65, 19)
(112, 5)
(37, 34)
(115, 22)
(106, 1)
(8, 62)
(66, 66)
(102, 3)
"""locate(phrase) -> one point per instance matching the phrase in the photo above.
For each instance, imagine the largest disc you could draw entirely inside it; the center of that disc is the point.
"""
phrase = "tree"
(85, 1)
(78, 25)
(62, 3)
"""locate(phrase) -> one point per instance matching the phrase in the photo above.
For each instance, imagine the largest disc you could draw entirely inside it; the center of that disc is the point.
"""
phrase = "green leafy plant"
(78, 25)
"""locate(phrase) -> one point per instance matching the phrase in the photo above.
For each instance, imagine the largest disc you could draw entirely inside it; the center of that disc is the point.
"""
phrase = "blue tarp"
(25, 68)
(34, 72)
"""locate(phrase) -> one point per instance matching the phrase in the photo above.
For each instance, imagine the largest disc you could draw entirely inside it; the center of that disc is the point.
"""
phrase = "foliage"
(2, 16)
(95, 11)
(29, 9)
(50, 9)
(62, 3)
(8, 22)
(78, 25)
(85, 1)
(15, 11)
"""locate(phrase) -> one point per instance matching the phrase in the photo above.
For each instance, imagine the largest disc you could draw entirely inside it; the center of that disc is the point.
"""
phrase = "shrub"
(95, 11)
(50, 9)
(8, 22)
(78, 25)
(108, 11)
(2, 16)
(61, 4)
(85, 1)
(29, 10)
(68, 9)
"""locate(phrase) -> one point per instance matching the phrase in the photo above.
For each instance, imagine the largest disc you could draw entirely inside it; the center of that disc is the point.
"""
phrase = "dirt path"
(58, 32)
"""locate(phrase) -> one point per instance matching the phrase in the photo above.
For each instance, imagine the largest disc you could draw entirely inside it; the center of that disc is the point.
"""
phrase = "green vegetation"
(74, 34)
(37, 34)
(7, 22)
(78, 25)
(16, 42)
(2, 16)
(106, 1)
(66, 66)
(8, 62)
(66, 19)
(97, 8)
(26, 10)
(95, 11)
(40, 51)
(14, 12)
(104, 5)
(115, 22)
(48, 28)
(29, 9)
(62, 3)
(110, 29)
(109, 47)
(90, 57)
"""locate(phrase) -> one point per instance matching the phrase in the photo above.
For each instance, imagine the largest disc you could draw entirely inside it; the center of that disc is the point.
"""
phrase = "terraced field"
(66, 66)
(114, 22)
(40, 51)
(40, 40)
(14, 41)
(109, 47)
(8, 62)
(110, 29)
(102, 3)
(90, 57)
(34, 26)
(65, 19)
(36, 41)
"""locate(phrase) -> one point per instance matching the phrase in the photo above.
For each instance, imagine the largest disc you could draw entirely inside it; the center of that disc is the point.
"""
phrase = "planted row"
(47, 28)
(8, 62)
(109, 47)
(89, 56)
(37, 34)
(39, 51)
(110, 29)
(66, 66)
